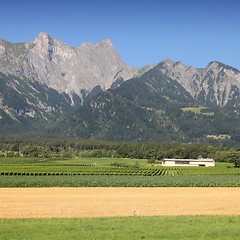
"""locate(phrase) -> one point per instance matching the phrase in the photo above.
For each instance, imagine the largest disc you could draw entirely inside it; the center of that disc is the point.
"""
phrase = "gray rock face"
(62, 67)
(79, 70)
(26, 105)
(216, 84)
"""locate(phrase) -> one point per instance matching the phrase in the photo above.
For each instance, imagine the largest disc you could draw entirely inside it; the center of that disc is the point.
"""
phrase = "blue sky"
(143, 32)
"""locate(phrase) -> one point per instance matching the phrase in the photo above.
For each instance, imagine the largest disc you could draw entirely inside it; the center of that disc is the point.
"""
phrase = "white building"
(203, 162)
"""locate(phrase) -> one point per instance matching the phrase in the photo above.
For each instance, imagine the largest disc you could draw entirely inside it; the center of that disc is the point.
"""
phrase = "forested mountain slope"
(152, 107)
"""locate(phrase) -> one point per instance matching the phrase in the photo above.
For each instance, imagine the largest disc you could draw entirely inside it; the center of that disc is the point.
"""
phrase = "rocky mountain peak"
(213, 84)
(64, 68)
(167, 63)
(85, 45)
(42, 35)
(215, 65)
(90, 46)
(171, 66)
(43, 39)
(107, 42)
(79, 70)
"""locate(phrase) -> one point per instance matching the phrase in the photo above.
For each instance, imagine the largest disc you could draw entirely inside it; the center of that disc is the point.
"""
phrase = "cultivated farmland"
(107, 172)
(73, 205)
(106, 202)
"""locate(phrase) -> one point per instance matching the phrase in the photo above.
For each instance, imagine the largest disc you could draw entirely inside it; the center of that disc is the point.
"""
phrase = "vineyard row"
(140, 172)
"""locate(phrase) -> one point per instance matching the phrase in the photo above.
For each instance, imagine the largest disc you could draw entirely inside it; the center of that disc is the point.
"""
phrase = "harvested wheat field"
(105, 202)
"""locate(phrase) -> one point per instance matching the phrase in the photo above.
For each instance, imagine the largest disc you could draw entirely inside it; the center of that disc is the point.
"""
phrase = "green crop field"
(180, 227)
(119, 181)
(37, 172)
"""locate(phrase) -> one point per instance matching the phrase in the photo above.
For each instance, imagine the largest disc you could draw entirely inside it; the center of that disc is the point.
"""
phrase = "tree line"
(65, 148)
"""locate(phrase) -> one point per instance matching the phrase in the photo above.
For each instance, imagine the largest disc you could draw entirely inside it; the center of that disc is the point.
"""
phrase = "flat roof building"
(202, 162)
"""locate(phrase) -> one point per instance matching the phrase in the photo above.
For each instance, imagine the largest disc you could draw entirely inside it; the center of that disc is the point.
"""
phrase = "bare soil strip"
(106, 202)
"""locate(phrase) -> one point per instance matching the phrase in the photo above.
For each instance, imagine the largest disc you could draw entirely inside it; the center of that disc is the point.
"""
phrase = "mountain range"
(48, 87)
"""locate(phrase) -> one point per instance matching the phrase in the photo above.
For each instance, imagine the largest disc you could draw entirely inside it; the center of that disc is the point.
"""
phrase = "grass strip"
(179, 227)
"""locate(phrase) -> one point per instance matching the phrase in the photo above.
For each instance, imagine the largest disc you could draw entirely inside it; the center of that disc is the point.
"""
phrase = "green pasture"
(180, 227)
(199, 110)
(87, 161)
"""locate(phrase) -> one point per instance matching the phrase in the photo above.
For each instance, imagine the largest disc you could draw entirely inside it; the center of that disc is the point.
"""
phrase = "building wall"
(188, 163)
(168, 163)
(207, 164)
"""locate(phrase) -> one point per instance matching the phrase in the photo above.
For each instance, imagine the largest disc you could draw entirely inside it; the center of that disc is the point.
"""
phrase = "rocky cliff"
(62, 67)
(217, 84)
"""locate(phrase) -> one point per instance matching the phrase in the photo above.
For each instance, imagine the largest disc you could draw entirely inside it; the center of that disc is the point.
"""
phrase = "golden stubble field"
(108, 202)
